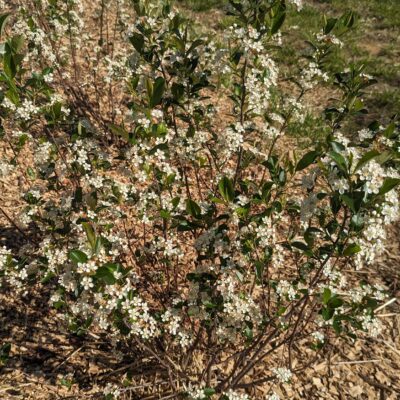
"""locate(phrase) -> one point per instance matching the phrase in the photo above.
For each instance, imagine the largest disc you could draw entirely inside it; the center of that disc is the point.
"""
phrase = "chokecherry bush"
(164, 205)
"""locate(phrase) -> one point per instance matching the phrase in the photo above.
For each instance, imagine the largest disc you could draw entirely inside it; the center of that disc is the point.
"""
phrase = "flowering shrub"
(166, 208)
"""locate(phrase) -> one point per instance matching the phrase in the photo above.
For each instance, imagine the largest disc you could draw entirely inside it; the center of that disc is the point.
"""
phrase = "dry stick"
(17, 227)
(275, 139)
(140, 266)
(144, 385)
(244, 353)
(190, 351)
(242, 101)
(390, 346)
(378, 385)
(171, 396)
(198, 183)
(160, 360)
(386, 304)
(68, 358)
(313, 281)
(101, 22)
(387, 315)
(74, 177)
(72, 48)
(251, 364)
(254, 360)
(356, 362)
(294, 330)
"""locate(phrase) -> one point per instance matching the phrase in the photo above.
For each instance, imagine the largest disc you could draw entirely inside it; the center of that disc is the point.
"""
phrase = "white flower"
(48, 78)
(318, 336)
(236, 396)
(158, 114)
(26, 110)
(297, 3)
(365, 134)
(283, 374)
(372, 325)
(87, 282)
(340, 184)
(285, 288)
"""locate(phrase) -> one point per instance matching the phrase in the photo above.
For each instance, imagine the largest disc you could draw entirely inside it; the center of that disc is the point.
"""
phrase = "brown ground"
(44, 354)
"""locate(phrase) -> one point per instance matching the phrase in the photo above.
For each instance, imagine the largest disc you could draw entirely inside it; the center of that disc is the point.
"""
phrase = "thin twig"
(391, 301)
(69, 357)
(356, 362)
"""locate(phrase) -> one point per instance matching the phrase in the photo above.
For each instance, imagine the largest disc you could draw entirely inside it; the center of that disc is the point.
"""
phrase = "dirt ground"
(48, 362)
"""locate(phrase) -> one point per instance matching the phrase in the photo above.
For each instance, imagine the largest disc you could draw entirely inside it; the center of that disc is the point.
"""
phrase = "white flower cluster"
(232, 395)
(297, 3)
(273, 396)
(373, 326)
(329, 39)
(261, 79)
(318, 336)
(5, 168)
(284, 288)
(4, 256)
(283, 374)
(238, 308)
(373, 175)
(27, 110)
(311, 75)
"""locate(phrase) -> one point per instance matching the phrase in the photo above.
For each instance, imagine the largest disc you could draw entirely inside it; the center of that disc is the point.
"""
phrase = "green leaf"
(357, 222)
(348, 19)
(10, 68)
(303, 247)
(337, 325)
(327, 313)
(326, 296)
(119, 131)
(106, 273)
(353, 201)
(4, 353)
(388, 185)
(77, 256)
(90, 234)
(307, 160)
(17, 43)
(339, 160)
(158, 91)
(193, 208)
(367, 157)
(278, 21)
(329, 24)
(351, 249)
(149, 89)
(226, 190)
(31, 173)
(390, 131)
(309, 235)
(137, 41)
(3, 22)
(196, 43)
(259, 270)
(178, 90)
(248, 333)
(98, 245)
(335, 302)
(209, 391)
